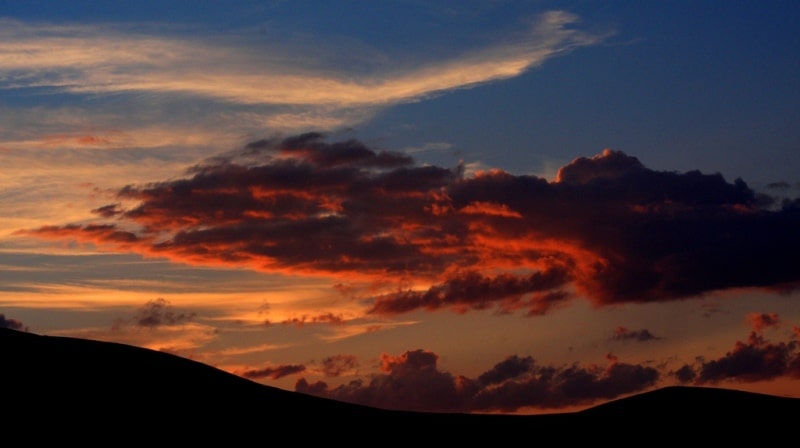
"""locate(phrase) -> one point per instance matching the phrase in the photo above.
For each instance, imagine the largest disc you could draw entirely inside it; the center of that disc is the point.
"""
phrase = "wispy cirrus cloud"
(105, 59)
(607, 228)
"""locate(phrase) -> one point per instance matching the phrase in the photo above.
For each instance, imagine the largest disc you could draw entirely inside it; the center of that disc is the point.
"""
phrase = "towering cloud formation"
(607, 228)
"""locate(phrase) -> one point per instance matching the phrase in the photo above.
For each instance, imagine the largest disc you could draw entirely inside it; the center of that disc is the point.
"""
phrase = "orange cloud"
(490, 209)
(607, 228)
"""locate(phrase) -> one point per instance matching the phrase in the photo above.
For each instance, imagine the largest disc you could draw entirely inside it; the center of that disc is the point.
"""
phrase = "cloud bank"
(413, 381)
(756, 359)
(607, 228)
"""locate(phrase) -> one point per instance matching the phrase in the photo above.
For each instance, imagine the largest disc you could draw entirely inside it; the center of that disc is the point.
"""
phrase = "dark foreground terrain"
(77, 390)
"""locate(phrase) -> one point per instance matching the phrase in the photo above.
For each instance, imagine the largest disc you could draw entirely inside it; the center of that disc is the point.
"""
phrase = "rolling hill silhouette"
(93, 391)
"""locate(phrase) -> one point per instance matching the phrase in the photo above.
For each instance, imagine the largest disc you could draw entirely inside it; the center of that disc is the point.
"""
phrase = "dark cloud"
(14, 324)
(107, 211)
(158, 313)
(329, 318)
(779, 185)
(685, 374)
(510, 368)
(759, 321)
(754, 360)
(312, 147)
(412, 381)
(608, 228)
(623, 334)
(473, 290)
(273, 373)
(338, 364)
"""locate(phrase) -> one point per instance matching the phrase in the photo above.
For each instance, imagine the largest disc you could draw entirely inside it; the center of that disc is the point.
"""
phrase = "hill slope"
(76, 387)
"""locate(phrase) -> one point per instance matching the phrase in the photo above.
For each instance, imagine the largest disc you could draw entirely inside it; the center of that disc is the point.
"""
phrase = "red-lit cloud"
(412, 381)
(759, 321)
(607, 228)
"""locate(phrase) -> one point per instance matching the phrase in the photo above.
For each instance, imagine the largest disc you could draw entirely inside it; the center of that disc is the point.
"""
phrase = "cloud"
(338, 364)
(13, 324)
(623, 334)
(759, 321)
(155, 314)
(273, 373)
(412, 381)
(753, 360)
(510, 368)
(471, 290)
(607, 228)
(329, 318)
(101, 59)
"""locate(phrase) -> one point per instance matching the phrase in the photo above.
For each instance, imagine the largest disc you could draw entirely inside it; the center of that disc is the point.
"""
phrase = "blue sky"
(489, 113)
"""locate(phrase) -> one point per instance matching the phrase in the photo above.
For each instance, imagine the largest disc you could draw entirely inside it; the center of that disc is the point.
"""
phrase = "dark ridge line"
(70, 384)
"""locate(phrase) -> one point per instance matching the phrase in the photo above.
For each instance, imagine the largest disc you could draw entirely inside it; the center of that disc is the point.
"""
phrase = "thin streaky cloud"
(83, 59)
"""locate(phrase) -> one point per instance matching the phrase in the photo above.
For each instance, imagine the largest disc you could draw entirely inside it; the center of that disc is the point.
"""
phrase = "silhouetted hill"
(91, 391)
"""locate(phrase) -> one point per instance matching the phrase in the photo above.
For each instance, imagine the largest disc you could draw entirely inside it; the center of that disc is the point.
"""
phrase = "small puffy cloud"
(760, 321)
(338, 364)
(685, 374)
(623, 334)
(159, 312)
(14, 324)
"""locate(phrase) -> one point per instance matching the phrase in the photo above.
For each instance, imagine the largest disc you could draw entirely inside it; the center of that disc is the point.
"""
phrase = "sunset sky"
(473, 206)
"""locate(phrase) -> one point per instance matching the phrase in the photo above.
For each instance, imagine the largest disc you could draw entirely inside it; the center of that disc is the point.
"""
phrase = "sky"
(456, 206)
